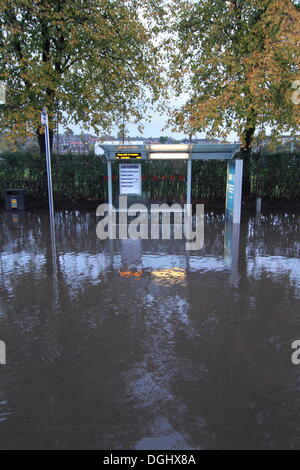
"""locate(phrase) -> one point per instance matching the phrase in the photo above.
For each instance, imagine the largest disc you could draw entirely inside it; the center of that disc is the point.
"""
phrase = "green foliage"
(75, 177)
(276, 175)
(22, 169)
(83, 177)
(79, 177)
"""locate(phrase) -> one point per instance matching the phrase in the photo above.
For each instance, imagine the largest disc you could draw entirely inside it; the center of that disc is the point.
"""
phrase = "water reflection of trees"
(275, 234)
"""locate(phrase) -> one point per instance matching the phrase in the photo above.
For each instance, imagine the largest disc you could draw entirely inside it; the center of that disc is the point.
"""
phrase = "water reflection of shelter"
(131, 254)
(231, 249)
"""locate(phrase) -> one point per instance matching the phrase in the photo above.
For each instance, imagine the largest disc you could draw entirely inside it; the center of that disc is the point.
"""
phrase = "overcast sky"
(153, 129)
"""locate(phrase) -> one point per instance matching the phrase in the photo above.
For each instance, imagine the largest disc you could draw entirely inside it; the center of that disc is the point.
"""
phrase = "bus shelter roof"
(171, 151)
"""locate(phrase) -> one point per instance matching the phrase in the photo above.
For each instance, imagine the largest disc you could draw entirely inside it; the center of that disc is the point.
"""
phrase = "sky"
(153, 129)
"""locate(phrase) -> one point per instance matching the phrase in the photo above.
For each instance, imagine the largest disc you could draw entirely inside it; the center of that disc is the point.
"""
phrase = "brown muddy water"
(134, 344)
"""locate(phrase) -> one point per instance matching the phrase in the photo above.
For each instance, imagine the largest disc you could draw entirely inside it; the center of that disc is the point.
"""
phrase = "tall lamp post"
(45, 123)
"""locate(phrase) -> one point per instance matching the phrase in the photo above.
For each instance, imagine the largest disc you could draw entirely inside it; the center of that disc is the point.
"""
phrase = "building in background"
(86, 143)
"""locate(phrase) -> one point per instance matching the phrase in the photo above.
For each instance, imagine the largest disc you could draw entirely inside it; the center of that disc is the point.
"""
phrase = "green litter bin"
(15, 199)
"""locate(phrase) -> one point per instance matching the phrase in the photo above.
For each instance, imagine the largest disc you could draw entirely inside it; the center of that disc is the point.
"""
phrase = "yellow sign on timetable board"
(128, 156)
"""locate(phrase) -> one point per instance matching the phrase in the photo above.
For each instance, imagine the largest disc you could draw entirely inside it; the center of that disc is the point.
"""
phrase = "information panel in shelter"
(130, 180)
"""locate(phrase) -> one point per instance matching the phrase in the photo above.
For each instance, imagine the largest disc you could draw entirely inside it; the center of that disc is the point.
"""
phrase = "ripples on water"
(140, 344)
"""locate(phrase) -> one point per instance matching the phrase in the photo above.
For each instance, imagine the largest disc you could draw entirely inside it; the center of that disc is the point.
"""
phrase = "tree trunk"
(246, 150)
(248, 136)
(41, 140)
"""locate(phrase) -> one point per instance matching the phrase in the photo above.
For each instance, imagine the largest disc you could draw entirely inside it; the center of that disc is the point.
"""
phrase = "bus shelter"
(130, 174)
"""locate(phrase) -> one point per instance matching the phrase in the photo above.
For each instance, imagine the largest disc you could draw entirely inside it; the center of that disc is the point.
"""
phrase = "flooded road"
(139, 344)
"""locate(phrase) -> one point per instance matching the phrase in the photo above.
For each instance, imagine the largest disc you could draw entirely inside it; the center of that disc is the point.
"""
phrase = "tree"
(123, 132)
(80, 59)
(163, 139)
(242, 57)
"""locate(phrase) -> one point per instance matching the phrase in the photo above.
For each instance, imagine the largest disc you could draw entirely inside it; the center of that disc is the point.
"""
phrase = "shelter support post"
(189, 182)
(234, 190)
(109, 182)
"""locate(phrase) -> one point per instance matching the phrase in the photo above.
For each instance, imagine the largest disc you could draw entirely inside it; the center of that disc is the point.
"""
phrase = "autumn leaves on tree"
(241, 58)
(83, 59)
(102, 62)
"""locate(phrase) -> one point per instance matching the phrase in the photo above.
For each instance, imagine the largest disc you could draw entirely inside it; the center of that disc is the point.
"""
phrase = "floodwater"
(139, 344)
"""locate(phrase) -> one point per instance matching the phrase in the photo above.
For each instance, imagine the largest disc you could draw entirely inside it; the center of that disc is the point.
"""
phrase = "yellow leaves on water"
(168, 276)
(132, 274)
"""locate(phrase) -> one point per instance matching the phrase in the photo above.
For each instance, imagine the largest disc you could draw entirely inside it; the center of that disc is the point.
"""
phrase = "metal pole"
(189, 182)
(109, 182)
(48, 162)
